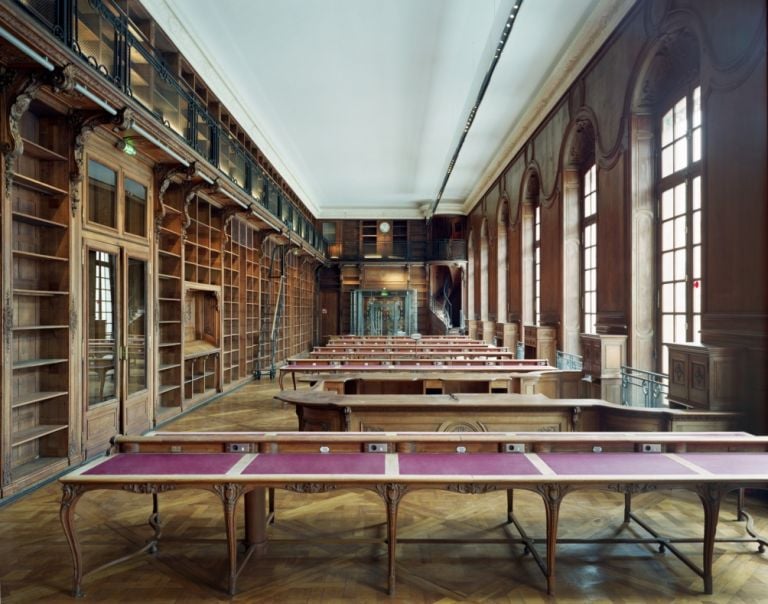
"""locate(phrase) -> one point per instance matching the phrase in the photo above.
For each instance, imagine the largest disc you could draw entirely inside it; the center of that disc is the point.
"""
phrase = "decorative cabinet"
(704, 377)
(39, 435)
(602, 358)
(541, 342)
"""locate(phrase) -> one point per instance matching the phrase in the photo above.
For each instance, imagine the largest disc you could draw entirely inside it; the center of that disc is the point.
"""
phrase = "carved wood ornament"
(167, 179)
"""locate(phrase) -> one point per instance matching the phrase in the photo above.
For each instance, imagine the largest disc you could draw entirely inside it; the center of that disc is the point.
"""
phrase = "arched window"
(502, 263)
(666, 144)
(531, 250)
(484, 271)
(589, 250)
(679, 221)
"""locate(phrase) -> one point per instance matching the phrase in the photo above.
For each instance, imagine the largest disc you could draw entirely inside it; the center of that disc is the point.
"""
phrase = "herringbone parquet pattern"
(307, 562)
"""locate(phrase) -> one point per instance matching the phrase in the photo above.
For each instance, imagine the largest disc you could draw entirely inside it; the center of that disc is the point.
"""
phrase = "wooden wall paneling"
(734, 194)
(613, 254)
(548, 142)
(551, 260)
(607, 79)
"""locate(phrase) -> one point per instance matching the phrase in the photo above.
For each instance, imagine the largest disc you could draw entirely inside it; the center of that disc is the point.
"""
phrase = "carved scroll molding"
(167, 179)
(634, 488)
(148, 487)
(472, 489)
(63, 79)
(229, 492)
(188, 197)
(229, 215)
(15, 147)
(391, 493)
(84, 126)
(70, 493)
(7, 323)
(310, 487)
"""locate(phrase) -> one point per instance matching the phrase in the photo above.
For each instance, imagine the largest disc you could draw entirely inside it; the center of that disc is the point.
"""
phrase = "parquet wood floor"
(306, 562)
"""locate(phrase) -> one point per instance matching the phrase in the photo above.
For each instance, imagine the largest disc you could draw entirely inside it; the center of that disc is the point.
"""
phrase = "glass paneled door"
(116, 342)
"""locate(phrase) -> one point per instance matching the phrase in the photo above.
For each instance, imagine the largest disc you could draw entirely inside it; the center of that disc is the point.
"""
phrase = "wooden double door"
(117, 352)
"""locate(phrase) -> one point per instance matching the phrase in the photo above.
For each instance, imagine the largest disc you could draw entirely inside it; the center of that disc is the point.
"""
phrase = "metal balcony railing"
(566, 360)
(643, 388)
(106, 39)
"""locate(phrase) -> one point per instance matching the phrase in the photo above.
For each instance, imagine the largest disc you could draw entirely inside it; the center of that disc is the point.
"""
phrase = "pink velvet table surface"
(730, 463)
(471, 464)
(317, 463)
(614, 464)
(166, 463)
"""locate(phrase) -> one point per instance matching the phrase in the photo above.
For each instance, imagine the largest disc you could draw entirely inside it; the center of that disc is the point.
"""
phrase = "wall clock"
(384, 227)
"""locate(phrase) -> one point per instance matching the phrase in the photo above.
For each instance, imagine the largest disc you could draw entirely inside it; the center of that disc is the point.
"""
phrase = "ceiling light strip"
(481, 93)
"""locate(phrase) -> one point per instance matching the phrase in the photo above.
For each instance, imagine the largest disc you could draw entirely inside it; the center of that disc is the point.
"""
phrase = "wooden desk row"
(443, 366)
(237, 466)
(319, 410)
(421, 338)
(409, 347)
(394, 355)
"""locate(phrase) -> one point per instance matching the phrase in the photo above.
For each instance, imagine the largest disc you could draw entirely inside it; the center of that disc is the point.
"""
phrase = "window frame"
(689, 176)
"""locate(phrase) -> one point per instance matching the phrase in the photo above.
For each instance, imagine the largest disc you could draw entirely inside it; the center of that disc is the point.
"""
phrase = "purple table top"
(614, 464)
(476, 464)
(166, 463)
(314, 463)
(729, 463)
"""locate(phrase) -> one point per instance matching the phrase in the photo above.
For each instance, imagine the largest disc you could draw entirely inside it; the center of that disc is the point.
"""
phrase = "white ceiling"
(360, 103)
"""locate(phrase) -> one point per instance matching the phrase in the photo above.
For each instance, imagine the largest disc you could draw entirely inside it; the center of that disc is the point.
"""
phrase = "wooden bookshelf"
(169, 279)
(37, 403)
(234, 260)
(252, 271)
(203, 244)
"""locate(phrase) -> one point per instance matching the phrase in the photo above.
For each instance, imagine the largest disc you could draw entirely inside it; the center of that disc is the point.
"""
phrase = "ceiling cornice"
(594, 33)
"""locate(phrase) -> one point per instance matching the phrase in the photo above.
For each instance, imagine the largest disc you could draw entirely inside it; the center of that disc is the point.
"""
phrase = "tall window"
(502, 265)
(484, 271)
(536, 263)
(589, 251)
(680, 223)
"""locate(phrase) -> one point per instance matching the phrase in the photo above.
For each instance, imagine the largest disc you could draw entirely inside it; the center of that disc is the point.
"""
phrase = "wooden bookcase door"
(116, 328)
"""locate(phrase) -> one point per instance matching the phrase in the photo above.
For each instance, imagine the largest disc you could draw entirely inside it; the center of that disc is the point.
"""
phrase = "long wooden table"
(237, 466)
(406, 354)
(331, 411)
(554, 383)
(443, 366)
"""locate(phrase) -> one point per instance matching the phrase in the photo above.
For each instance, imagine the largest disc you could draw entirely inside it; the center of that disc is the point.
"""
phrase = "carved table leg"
(229, 494)
(553, 495)
(627, 506)
(710, 495)
(71, 494)
(391, 494)
(256, 520)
